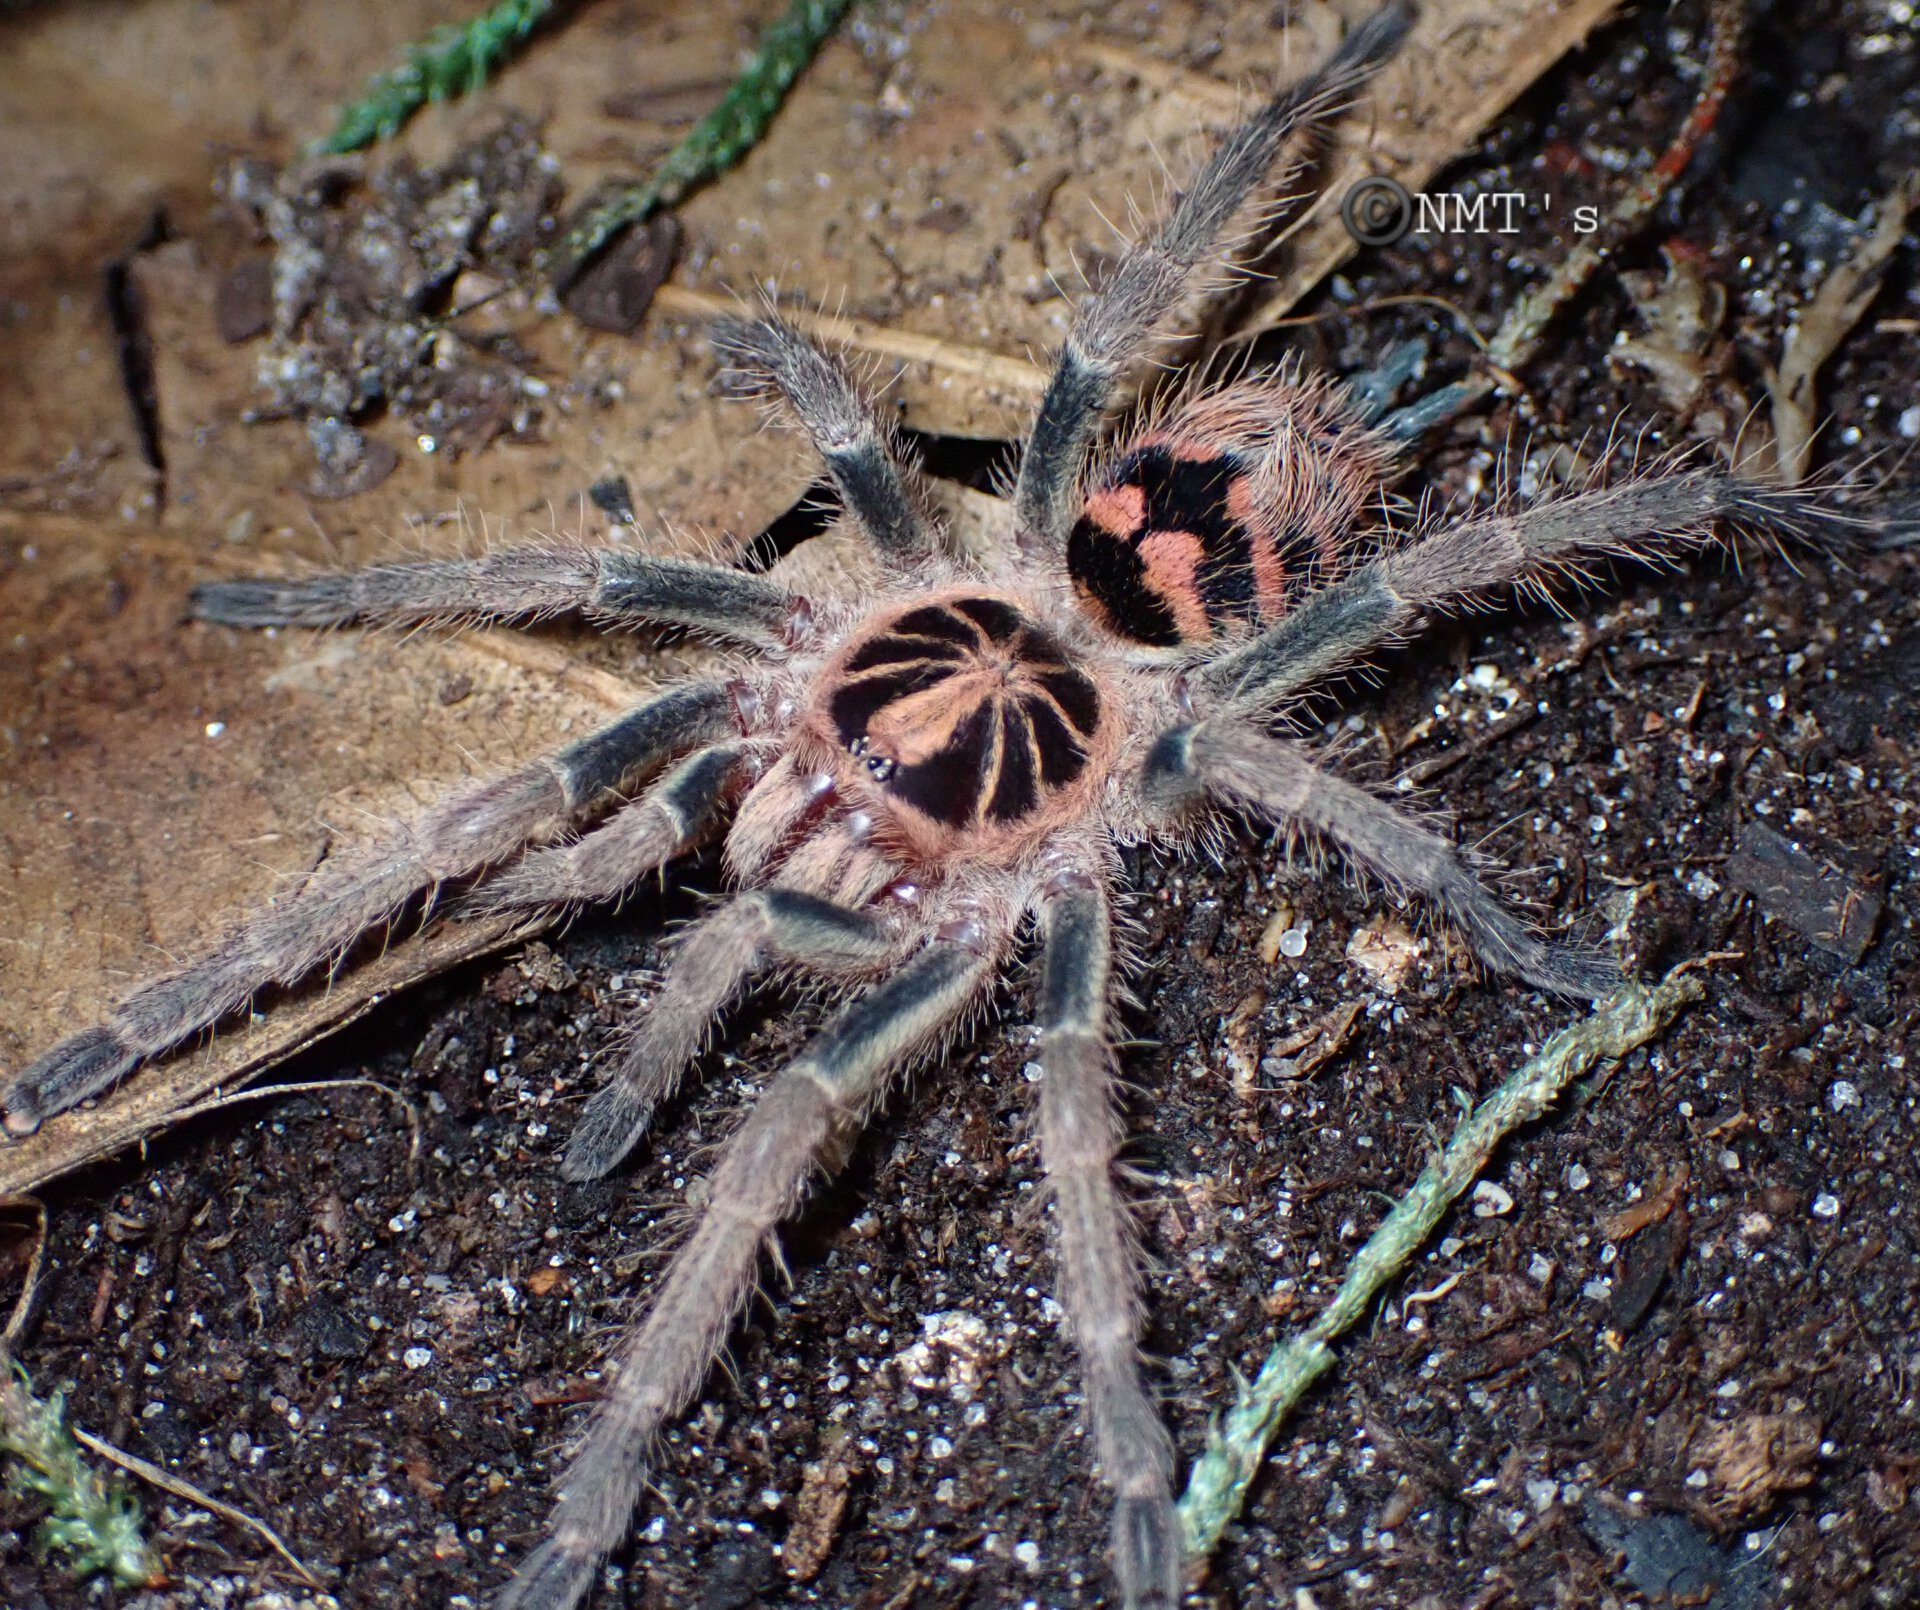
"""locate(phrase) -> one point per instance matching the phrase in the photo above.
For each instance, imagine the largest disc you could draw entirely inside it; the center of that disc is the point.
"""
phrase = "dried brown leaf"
(1836, 308)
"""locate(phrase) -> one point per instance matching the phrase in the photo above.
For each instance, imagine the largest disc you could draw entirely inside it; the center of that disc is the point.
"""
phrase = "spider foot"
(264, 601)
(609, 1126)
(78, 1067)
(1147, 1554)
(554, 1577)
(1578, 974)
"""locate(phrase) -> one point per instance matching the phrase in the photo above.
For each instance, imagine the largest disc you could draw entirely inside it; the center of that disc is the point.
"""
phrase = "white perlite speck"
(1702, 887)
(1491, 1201)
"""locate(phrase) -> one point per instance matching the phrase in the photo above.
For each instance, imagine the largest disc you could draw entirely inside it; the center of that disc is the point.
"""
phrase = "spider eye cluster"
(966, 711)
(1215, 523)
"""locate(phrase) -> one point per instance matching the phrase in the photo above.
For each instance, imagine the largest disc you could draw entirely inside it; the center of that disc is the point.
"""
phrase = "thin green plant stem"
(95, 1523)
(167, 1482)
(718, 140)
(454, 60)
(1236, 1447)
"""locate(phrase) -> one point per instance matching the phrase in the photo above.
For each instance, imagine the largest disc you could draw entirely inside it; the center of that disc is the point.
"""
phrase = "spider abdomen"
(969, 717)
(1211, 524)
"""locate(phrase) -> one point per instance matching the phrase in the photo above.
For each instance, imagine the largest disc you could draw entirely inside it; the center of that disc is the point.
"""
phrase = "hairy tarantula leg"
(635, 840)
(1112, 325)
(1380, 602)
(346, 897)
(531, 580)
(1099, 1277)
(763, 1173)
(1234, 758)
(860, 447)
(709, 968)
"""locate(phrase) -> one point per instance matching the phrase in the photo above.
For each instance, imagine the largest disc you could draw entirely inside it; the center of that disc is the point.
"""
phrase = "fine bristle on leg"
(711, 965)
(762, 1175)
(1111, 326)
(1384, 599)
(1099, 1275)
(514, 584)
(1279, 778)
(636, 839)
(359, 891)
(861, 450)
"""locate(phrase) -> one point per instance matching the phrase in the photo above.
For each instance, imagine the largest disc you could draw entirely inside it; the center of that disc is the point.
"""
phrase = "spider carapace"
(970, 718)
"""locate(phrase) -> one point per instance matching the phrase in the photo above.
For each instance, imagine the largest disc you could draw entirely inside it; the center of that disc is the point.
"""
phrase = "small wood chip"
(1650, 1209)
(1818, 900)
(1279, 923)
(1750, 1459)
(1836, 308)
(616, 290)
(1642, 1273)
(817, 1513)
(1303, 1054)
(1241, 1034)
(1385, 949)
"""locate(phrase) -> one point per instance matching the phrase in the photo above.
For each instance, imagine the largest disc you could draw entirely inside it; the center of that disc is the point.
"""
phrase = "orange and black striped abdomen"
(1164, 551)
(966, 712)
(1221, 519)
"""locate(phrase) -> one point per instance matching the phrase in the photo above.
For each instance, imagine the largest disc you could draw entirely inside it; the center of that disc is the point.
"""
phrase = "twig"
(1236, 1448)
(264, 1092)
(23, 1304)
(1521, 332)
(1419, 775)
(181, 1488)
(717, 141)
(454, 60)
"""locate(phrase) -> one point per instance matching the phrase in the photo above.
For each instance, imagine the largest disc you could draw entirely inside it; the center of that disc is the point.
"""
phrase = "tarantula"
(907, 773)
